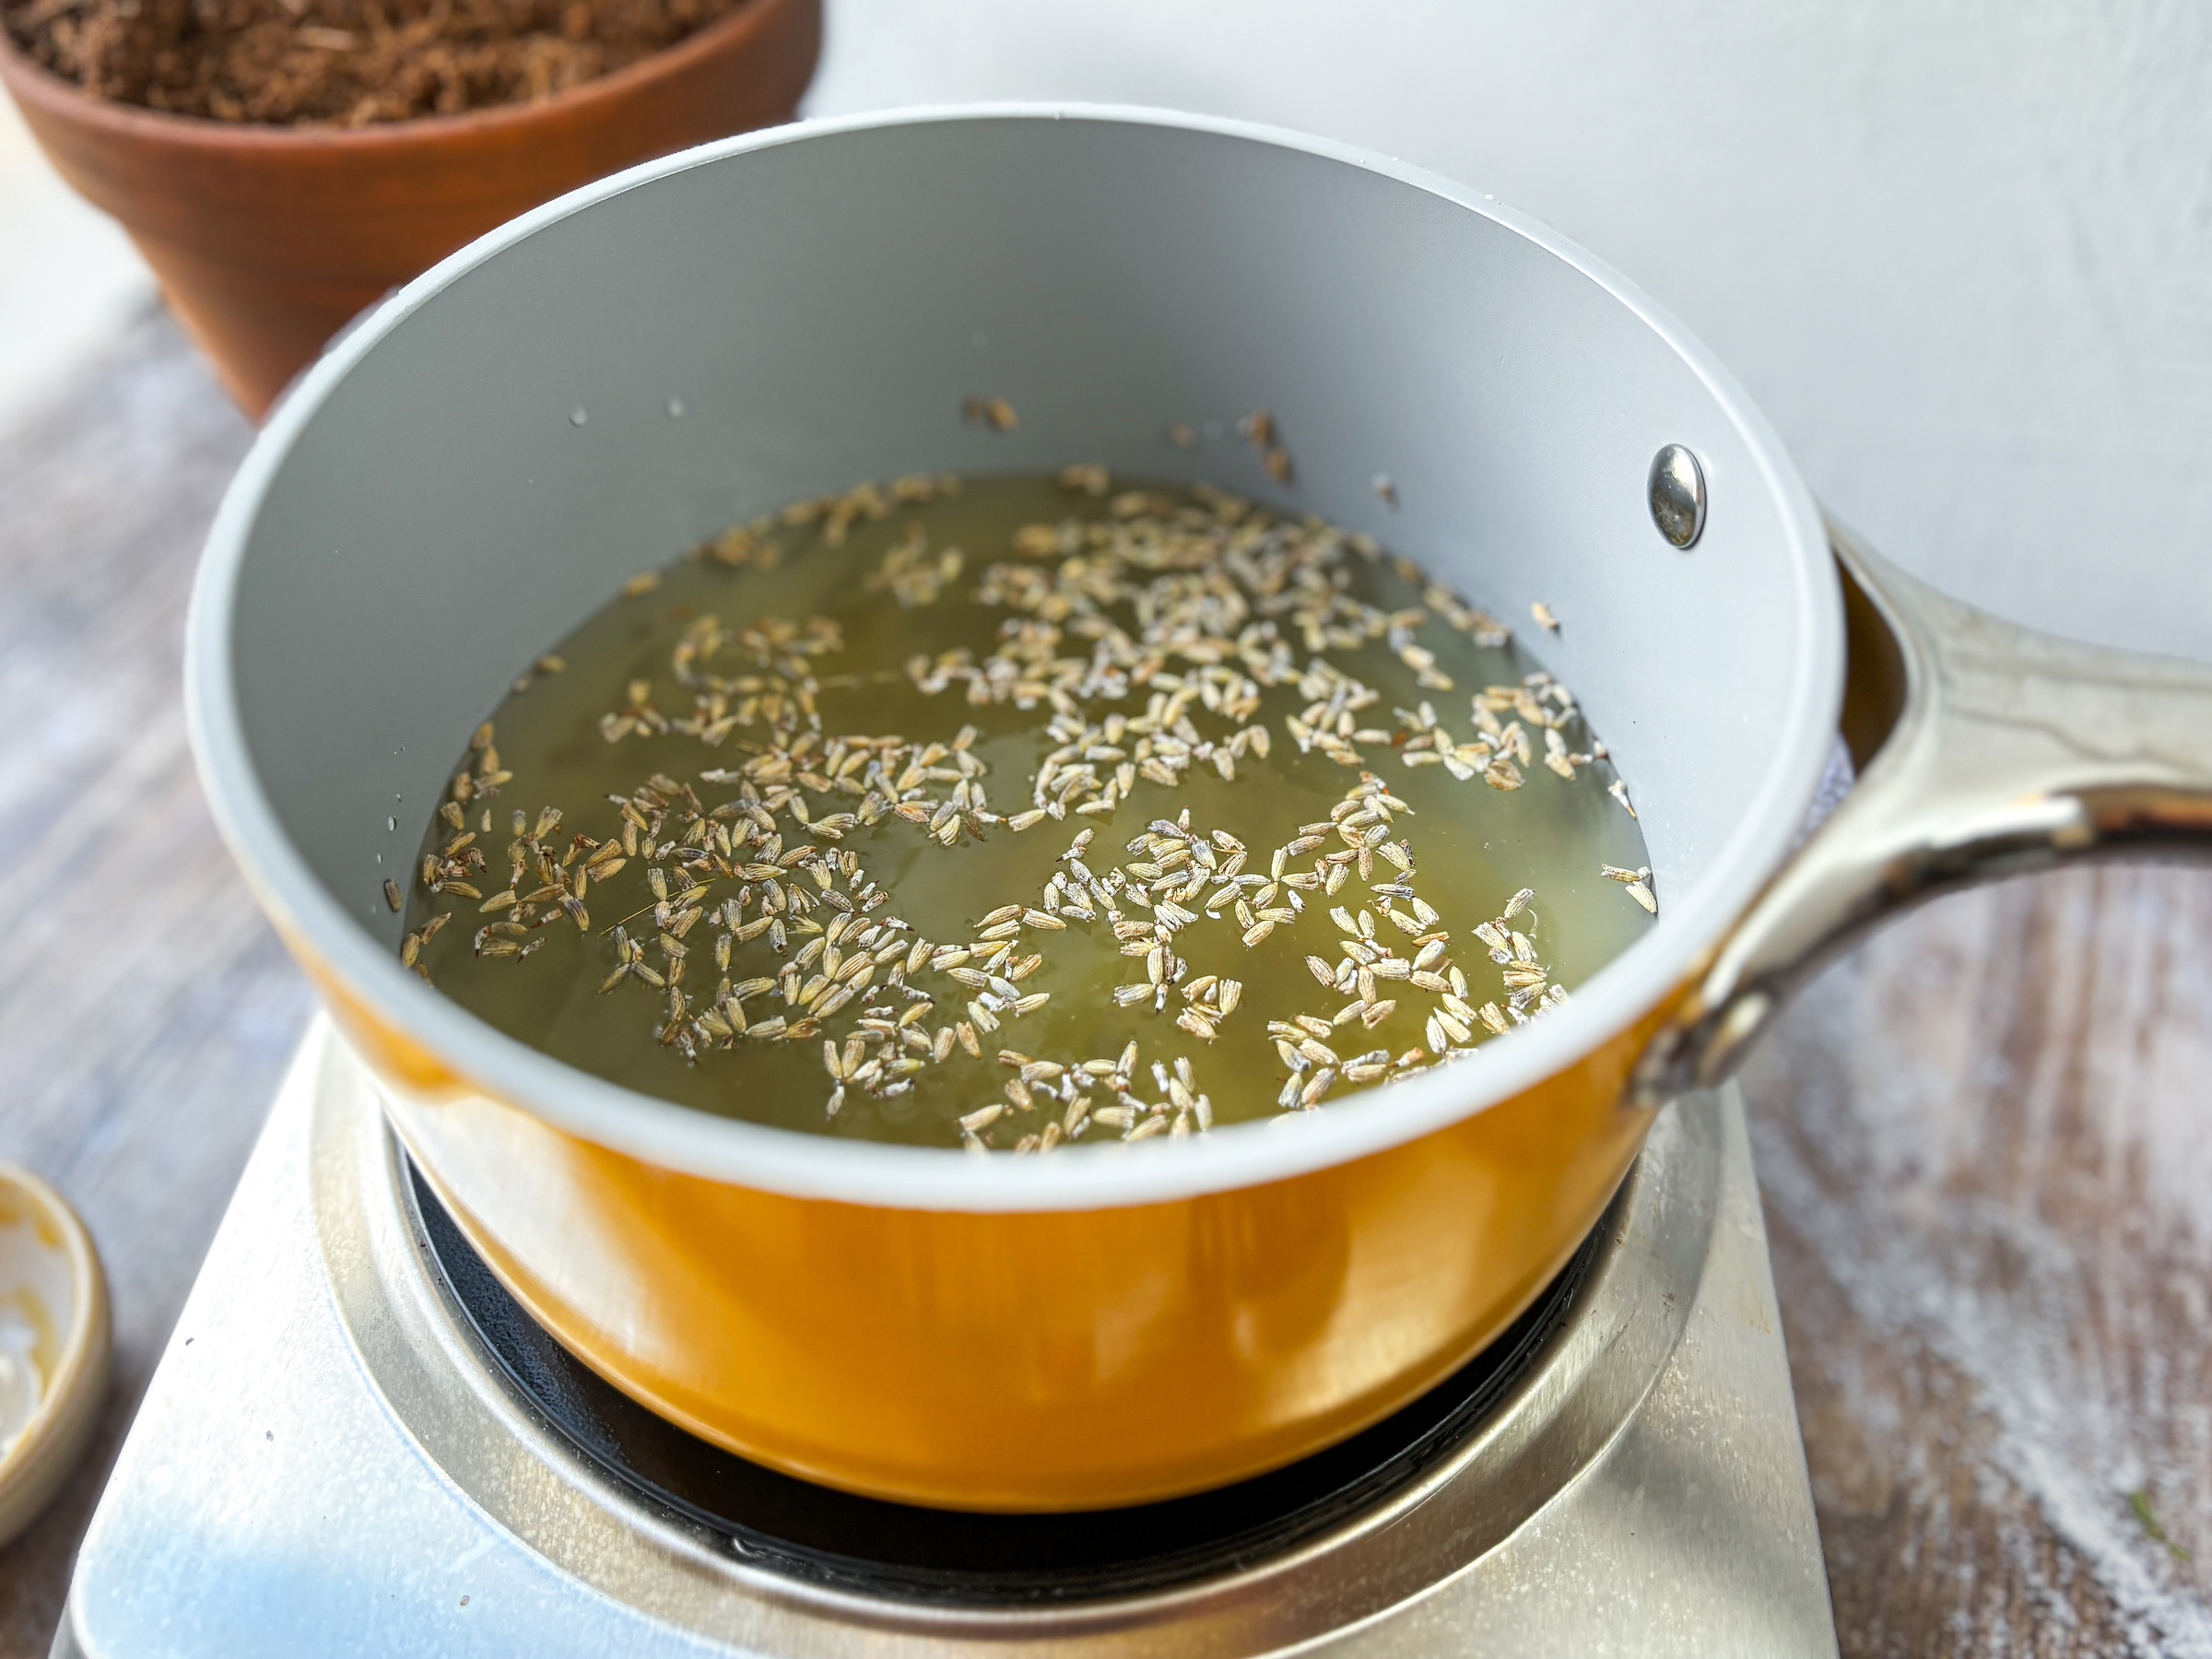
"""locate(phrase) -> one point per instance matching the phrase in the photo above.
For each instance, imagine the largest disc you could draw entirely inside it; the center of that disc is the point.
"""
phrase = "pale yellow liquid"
(1474, 846)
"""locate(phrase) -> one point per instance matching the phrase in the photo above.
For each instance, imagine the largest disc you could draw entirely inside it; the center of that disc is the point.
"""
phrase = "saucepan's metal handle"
(1984, 750)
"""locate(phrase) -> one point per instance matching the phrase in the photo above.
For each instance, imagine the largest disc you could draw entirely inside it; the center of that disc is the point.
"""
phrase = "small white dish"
(53, 1345)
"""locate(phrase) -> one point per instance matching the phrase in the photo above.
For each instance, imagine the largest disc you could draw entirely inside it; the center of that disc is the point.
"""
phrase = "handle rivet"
(1676, 487)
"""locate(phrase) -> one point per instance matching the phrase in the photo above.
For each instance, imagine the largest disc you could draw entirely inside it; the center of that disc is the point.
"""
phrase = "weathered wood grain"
(1986, 1146)
(146, 1009)
(1985, 1139)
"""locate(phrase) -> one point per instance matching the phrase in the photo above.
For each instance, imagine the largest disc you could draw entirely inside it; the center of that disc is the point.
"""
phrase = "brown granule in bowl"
(342, 63)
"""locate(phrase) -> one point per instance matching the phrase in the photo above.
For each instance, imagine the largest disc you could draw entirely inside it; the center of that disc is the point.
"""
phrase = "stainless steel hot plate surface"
(357, 1443)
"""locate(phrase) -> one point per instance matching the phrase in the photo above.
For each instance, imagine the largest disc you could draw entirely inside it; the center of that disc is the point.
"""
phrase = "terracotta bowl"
(268, 240)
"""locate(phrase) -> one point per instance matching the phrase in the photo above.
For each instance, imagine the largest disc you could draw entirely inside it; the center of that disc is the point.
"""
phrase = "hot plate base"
(330, 1461)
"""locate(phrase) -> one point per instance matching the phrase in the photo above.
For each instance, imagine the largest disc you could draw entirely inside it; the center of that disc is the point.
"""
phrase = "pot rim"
(33, 82)
(803, 1165)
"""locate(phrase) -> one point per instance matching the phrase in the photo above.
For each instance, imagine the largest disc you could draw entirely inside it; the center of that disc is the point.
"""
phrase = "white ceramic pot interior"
(484, 461)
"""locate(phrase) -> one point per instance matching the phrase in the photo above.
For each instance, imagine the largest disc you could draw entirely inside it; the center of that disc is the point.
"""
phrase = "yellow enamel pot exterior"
(605, 380)
(1027, 1361)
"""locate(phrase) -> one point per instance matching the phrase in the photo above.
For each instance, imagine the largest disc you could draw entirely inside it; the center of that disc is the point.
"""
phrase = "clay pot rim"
(34, 83)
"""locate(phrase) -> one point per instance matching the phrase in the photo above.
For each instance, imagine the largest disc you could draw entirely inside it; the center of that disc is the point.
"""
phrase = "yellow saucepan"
(608, 379)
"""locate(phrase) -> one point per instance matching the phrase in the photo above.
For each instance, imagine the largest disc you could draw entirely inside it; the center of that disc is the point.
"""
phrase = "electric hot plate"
(358, 1443)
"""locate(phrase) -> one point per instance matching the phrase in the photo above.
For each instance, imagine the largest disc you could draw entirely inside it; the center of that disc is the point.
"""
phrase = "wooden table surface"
(1986, 1140)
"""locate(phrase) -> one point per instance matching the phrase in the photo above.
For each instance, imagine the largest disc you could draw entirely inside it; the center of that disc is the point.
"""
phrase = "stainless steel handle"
(1984, 749)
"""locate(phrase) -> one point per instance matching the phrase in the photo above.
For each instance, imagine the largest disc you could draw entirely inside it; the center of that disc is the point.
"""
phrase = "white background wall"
(1961, 252)
(68, 277)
